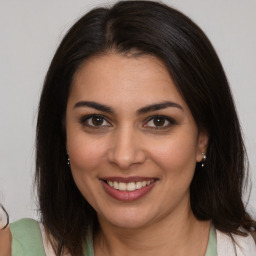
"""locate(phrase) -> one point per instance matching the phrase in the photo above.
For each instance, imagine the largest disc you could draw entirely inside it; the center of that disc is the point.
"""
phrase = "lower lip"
(127, 195)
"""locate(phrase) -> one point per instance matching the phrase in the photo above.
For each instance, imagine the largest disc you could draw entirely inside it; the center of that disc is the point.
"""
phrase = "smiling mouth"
(129, 186)
(128, 189)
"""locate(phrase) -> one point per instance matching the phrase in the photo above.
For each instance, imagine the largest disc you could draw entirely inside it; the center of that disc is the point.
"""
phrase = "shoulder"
(24, 223)
(25, 229)
(239, 245)
(26, 238)
(5, 242)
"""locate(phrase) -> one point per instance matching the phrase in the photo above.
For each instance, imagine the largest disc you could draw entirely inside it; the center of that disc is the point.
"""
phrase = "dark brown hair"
(148, 28)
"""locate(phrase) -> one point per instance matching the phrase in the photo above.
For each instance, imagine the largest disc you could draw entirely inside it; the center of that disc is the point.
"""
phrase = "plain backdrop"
(30, 31)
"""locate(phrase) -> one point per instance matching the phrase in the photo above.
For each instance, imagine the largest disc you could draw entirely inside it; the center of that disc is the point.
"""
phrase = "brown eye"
(159, 121)
(97, 121)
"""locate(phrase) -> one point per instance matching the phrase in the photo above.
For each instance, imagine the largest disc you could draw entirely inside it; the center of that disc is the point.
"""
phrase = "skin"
(5, 242)
(127, 142)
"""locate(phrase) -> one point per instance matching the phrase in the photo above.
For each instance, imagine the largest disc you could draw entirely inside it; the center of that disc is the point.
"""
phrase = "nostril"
(125, 157)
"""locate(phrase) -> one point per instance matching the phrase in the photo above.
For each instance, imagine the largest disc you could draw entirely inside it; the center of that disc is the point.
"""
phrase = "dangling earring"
(203, 160)
(68, 162)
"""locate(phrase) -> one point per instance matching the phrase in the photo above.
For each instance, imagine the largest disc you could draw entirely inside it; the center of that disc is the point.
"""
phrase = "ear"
(202, 143)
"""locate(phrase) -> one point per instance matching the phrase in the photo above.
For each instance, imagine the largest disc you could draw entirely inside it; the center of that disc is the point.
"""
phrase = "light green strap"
(89, 251)
(26, 238)
(212, 243)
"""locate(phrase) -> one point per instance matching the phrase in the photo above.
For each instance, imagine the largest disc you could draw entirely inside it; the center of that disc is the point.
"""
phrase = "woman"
(139, 148)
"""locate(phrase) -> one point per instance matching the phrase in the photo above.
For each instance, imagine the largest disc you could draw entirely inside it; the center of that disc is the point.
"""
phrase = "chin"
(127, 219)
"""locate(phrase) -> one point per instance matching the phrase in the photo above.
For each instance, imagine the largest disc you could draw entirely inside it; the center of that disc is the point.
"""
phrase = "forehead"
(114, 75)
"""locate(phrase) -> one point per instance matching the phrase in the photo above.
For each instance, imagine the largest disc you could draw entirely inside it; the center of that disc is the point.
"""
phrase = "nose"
(126, 149)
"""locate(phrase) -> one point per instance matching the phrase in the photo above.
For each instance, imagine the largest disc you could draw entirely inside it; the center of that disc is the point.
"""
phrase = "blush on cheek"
(176, 159)
(85, 155)
(83, 161)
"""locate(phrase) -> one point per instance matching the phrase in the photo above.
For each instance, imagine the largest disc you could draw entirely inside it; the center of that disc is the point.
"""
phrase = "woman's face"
(132, 141)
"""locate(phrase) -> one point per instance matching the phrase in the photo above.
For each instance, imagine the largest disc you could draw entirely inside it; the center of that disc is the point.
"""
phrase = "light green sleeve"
(26, 238)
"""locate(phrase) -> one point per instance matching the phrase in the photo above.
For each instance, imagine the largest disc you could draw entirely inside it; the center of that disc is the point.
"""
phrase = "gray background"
(30, 31)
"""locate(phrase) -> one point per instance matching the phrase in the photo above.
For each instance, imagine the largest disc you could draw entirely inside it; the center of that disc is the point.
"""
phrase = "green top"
(212, 243)
(27, 240)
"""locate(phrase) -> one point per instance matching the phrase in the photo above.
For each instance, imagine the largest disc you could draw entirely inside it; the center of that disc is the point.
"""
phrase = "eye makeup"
(94, 121)
(159, 122)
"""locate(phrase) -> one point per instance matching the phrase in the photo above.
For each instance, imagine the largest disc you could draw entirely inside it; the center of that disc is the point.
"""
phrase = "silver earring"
(203, 160)
(68, 162)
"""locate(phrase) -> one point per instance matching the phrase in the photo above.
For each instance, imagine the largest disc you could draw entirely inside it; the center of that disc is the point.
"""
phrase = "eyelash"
(168, 119)
(85, 121)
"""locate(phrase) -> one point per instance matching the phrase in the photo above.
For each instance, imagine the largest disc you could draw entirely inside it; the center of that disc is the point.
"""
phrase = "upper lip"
(127, 179)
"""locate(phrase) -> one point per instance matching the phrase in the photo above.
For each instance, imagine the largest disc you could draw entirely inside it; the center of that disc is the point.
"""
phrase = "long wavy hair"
(147, 28)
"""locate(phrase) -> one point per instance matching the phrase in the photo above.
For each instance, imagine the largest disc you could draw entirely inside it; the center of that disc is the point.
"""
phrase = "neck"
(179, 235)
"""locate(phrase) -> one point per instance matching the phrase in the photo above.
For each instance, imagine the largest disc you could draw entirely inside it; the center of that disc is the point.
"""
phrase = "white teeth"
(131, 186)
(138, 185)
(122, 186)
(116, 186)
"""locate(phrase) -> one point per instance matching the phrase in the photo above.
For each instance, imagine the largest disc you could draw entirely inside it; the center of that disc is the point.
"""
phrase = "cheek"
(176, 155)
(85, 154)
(84, 151)
(177, 160)
(86, 163)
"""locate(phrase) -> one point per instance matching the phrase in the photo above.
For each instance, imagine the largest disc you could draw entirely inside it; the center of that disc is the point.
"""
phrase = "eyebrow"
(158, 106)
(95, 105)
(143, 110)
